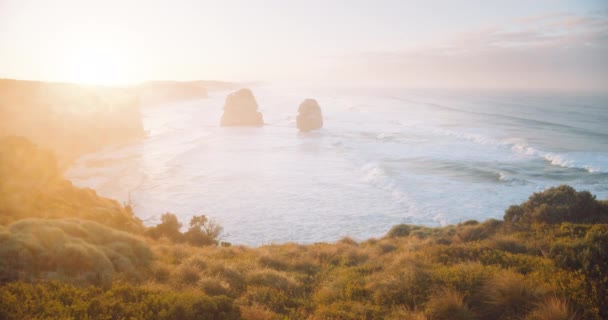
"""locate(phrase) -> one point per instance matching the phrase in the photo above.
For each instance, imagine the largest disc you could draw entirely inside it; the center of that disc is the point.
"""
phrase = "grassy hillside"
(545, 260)
(67, 118)
(77, 251)
(31, 186)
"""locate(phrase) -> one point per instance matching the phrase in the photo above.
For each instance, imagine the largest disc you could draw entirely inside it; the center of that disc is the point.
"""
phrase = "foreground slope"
(545, 260)
(31, 186)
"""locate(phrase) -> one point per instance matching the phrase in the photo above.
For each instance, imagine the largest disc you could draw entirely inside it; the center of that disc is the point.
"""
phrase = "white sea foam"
(593, 163)
(273, 184)
(502, 176)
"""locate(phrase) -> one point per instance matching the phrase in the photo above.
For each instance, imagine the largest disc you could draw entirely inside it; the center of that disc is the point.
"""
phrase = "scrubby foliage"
(54, 300)
(545, 261)
(76, 251)
(31, 186)
(559, 204)
(202, 231)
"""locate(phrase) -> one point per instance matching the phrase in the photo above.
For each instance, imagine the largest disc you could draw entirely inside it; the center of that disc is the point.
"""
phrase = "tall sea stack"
(309, 115)
(241, 109)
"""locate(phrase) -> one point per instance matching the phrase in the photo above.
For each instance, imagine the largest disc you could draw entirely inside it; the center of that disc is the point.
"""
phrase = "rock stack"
(309, 115)
(241, 109)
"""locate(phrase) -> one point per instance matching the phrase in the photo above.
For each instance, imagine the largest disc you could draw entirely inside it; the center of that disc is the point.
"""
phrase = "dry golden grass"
(509, 296)
(257, 312)
(448, 304)
(552, 308)
(70, 250)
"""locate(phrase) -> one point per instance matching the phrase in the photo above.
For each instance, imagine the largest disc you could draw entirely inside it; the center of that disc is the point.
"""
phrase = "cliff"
(69, 119)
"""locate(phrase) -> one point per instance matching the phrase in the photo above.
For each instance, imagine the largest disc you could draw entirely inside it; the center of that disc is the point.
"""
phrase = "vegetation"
(62, 256)
(559, 204)
(202, 231)
(75, 251)
(54, 300)
(31, 186)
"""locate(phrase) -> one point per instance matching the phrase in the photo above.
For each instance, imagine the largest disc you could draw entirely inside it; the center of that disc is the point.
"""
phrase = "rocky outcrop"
(241, 109)
(309, 115)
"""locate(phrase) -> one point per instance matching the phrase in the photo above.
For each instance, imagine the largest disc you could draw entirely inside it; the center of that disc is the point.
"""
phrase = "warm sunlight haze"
(304, 160)
(94, 66)
(550, 44)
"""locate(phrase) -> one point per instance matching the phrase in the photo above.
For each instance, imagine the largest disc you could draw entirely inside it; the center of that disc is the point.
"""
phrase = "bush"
(588, 257)
(202, 231)
(71, 250)
(400, 230)
(168, 227)
(556, 205)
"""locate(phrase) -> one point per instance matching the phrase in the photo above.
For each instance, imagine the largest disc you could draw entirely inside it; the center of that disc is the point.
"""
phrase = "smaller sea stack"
(309, 115)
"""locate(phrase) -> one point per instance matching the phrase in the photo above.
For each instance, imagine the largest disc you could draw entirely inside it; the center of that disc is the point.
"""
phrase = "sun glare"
(95, 66)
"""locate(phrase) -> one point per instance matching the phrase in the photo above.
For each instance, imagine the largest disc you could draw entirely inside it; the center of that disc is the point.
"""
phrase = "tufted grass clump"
(552, 308)
(509, 296)
(448, 304)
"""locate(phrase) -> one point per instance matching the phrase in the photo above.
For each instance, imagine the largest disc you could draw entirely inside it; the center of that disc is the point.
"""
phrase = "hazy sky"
(494, 44)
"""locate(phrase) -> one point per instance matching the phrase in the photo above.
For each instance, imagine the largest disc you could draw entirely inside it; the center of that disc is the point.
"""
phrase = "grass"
(552, 308)
(66, 252)
(76, 251)
(448, 304)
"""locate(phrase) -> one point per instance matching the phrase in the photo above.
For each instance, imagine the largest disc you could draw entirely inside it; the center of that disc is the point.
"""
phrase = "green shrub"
(202, 231)
(556, 205)
(588, 257)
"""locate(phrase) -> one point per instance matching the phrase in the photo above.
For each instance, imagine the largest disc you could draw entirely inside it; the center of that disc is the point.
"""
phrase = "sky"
(540, 44)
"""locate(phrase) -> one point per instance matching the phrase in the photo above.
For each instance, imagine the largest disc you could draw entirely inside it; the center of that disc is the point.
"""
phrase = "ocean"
(384, 157)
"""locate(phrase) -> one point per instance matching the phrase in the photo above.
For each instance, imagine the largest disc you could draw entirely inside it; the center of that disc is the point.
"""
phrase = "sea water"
(384, 157)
